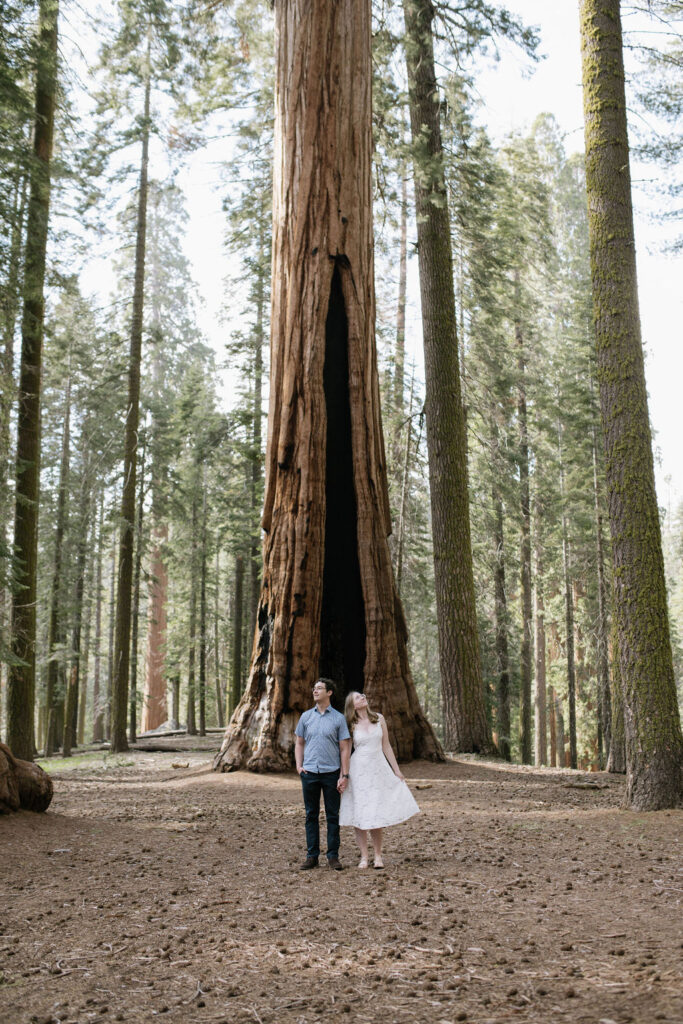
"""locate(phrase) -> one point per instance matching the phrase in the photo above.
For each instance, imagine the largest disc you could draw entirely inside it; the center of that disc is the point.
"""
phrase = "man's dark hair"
(329, 686)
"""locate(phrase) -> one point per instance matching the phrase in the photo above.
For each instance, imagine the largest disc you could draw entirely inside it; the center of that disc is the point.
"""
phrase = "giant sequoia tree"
(328, 601)
(654, 746)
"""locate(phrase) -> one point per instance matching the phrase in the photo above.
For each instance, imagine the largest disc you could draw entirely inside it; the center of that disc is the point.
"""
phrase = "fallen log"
(22, 784)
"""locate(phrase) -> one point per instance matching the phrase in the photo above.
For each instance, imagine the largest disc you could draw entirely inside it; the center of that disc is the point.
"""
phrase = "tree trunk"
(328, 600)
(191, 716)
(97, 709)
(552, 727)
(559, 733)
(604, 701)
(10, 310)
(220, 711)
(21, 677)
(654, 742)
(525, 550)
(154, 703)
(401, 537)
(112, 621)
(154, 707)
(56, 666)
(202, 616)
(85, 660)
(175, 701)
(540, 733)
(71, 702)
(22, 784)
(569, 612)
(465, 722)
(616, 759)
(400, 348)
(236, 673)
(124, 588)
(256, 460)
(500, 604)
(137, 573)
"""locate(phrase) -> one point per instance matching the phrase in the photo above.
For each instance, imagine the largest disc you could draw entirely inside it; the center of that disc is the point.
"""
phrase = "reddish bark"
(328, 599)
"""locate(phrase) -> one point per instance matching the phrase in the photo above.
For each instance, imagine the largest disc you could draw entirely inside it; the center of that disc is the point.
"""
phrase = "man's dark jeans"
(313, 784)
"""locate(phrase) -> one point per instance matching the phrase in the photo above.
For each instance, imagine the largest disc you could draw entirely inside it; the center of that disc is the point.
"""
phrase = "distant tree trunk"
(236, 674)
(552, 727)
(502, 655)
(220, 711)
(154, 705)
(71, 702)
(525, 550)
(328, 600)
(256, 461)
(202, 615)
(604, 701)
(191, 711)
(402, 510)
(56, 666)
(21, 676)
(569, 611)
(10, 296)
(500, 605)
(616, 759)
(540, 733)
(112, 620)
(124, 589)
(10, 310)
(175, 701)
(400, 347)
(97, 710)
(137, 572)
(154, 708)
(559, 733)
(85, 659)
(465, 722)
(654, 742)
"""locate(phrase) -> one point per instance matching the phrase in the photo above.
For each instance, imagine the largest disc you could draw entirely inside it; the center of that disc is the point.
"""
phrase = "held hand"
(342, 784)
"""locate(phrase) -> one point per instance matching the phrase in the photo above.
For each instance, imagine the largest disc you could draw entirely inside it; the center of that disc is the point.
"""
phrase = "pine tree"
(465, 721)
(654, 743)
(21, 681)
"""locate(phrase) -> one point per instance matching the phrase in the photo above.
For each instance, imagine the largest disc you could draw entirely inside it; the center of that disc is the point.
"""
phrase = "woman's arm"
(388, 752)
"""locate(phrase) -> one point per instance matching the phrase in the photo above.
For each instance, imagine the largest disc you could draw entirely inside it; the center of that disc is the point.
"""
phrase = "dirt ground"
(153, 886)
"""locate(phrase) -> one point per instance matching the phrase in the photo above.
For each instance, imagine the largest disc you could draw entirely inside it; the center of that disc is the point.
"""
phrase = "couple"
(368, 783)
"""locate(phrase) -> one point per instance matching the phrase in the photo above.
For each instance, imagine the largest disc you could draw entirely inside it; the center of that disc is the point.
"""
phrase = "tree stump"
(22, 784)
(329, 604)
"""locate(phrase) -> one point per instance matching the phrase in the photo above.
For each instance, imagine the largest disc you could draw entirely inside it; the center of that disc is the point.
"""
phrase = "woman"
(377, 793)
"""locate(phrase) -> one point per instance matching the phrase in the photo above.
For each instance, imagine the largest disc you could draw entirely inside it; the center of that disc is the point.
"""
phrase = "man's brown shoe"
(310, 862)
(335, 864)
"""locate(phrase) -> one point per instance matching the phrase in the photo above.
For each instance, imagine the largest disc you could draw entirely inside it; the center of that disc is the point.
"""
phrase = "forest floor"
(154, 886)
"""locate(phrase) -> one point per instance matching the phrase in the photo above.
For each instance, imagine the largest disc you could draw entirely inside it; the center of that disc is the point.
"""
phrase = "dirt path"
(150, 890)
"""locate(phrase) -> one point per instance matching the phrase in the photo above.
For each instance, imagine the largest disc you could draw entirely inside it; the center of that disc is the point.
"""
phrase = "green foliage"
(657, 88)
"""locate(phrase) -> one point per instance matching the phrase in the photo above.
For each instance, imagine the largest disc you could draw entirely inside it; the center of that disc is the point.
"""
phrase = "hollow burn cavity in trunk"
(342, 625)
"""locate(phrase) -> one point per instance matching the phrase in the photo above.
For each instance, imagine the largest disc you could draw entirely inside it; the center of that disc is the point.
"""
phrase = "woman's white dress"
(374, 796)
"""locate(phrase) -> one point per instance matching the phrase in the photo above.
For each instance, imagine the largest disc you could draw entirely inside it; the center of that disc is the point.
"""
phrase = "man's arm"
(345, 756)
(299, 753)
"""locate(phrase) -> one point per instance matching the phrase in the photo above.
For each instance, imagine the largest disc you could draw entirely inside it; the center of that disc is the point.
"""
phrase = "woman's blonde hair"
(352, 715)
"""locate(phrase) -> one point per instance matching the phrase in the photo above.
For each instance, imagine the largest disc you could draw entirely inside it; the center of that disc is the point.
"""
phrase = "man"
(322, 752)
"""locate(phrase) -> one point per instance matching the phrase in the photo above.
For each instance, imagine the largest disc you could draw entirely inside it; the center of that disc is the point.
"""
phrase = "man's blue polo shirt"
(321, 733)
